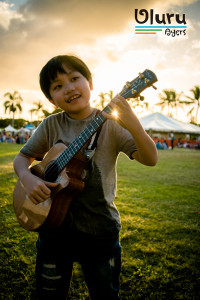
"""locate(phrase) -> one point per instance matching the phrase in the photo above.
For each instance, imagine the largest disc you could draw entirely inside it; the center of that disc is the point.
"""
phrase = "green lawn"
(160, 237)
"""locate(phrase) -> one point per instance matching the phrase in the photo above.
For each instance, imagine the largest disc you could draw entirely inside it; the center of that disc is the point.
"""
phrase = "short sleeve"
(37, 146)
(124, 140)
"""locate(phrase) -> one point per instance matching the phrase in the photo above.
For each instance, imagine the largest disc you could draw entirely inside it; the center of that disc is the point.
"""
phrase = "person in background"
(164, 145)
(17, 139)
(172, 140)
(1, 138)
(158, 145)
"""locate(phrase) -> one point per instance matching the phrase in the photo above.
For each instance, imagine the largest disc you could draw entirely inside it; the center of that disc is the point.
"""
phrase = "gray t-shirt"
(93, 210)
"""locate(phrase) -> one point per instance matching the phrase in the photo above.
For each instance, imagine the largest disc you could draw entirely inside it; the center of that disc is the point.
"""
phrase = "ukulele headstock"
(133, 88)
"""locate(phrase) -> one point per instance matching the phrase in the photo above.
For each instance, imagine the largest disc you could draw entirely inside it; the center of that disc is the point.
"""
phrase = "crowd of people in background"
(163, 144)
(9, 137)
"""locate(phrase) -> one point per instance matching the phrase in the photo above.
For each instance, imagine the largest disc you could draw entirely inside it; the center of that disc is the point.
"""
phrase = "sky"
(102, 33)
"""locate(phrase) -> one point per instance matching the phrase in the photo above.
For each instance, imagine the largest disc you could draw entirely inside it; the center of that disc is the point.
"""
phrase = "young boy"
(90, 231)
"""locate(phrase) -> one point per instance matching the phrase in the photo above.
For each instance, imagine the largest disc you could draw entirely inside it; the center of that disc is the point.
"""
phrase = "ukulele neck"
(82, 139)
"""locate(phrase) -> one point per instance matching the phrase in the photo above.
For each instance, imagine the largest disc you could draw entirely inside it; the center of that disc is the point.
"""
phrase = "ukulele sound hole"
(51, 172)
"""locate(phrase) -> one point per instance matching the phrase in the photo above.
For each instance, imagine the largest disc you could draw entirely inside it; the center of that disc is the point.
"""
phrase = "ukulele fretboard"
(81, 139)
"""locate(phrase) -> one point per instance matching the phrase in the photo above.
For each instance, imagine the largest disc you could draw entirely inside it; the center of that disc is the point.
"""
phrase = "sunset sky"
(102, 33)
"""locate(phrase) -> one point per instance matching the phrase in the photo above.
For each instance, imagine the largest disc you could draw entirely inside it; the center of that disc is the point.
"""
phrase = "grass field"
(160, 237)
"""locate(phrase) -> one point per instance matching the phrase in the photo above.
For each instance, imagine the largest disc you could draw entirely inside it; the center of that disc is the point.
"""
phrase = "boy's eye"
(56, 87)
(75, 78)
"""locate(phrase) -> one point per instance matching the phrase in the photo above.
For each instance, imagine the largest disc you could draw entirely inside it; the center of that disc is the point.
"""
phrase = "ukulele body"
(51, 212)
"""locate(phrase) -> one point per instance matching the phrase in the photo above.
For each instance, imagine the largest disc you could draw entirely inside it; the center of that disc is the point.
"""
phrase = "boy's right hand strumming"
(36, 189)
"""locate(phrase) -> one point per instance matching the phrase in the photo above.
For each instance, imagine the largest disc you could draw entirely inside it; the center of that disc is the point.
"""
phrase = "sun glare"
(115, 114)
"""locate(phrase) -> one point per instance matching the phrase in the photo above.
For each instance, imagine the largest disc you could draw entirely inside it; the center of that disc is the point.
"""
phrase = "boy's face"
(71, 92)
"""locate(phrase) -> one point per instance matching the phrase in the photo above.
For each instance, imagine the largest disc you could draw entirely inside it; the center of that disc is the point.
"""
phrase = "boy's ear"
(91, 83)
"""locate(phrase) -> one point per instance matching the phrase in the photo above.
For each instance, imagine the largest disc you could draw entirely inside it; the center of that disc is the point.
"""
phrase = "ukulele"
(64, 164)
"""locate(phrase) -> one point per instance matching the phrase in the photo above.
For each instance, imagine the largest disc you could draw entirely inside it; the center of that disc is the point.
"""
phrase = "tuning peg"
(133, 91)
(128, 84)
(141, 98)
(141, 75)
(146, 80)
(153, 86)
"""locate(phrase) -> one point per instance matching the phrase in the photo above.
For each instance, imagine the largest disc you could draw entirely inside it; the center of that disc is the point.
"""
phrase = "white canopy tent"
(9, 128)
(158, 122)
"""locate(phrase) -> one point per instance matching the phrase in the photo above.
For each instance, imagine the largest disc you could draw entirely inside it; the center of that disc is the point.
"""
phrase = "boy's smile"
(73, 98)
(71, 92)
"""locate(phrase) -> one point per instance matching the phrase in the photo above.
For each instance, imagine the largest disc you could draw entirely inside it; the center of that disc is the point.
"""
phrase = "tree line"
(168, 98)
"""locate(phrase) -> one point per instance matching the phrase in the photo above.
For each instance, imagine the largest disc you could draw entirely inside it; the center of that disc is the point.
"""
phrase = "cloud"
(98, 31)
(196, 44)
(39, 30)
(7, 15)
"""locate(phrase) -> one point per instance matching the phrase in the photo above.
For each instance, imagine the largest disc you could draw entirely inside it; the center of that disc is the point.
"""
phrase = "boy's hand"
(146, 152)
(37, 189)
(125, 114)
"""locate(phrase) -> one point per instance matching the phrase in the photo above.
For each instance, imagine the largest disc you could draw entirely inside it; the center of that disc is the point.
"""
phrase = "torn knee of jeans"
(50, 277)
(112, 262)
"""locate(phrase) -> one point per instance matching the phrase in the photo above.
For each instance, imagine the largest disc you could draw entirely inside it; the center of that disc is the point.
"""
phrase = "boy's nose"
(69, 88)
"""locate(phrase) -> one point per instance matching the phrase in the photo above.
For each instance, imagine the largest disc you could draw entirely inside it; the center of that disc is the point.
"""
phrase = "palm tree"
(171, 99)
(102, 99)
(138, 102)
(175, 100)
(13, 103)
(31, 113)
(195, 102)
(110, 95)
(37, 110)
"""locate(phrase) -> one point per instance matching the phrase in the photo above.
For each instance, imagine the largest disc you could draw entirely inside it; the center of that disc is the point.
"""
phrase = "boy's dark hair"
(56, 65)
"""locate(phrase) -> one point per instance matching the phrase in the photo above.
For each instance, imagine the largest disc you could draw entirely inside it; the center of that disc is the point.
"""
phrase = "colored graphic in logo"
(150, 17)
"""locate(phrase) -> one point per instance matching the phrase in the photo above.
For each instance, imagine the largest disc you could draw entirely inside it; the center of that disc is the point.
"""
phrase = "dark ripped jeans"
(100, 260)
